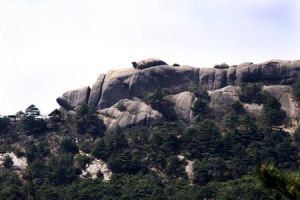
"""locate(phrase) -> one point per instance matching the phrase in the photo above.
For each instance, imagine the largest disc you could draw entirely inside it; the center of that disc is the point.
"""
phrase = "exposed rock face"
(115, 87)
(152, 62)
(127, 112)
(18, 163)
(71, 99)
(254, 109)
(183, 103)
(224, 97)
(211, 78)
(284, 95)
(96, 166)
(96, 91)
(176, 79)
(271, 72)
(155, 74)
(221, 66)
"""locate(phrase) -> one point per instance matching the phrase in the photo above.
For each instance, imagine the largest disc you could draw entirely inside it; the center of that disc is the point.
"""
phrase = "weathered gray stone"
(115, 87)
(231, 75)
(183, 103)
(254, 109)
(211, 78)
(71, 99)
(224, 98)
(175, 79)
(133, 112)
(284, 94)
(96, 91)
(130, 83)
(270, 72)
(151, 62)
(222, 66)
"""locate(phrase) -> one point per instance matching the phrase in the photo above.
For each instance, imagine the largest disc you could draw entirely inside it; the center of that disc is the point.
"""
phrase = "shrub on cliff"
(251, 93)
(4, 125)
(272, 113)
(296, 89)
(32, 123)
(156, 101)
(87, 121)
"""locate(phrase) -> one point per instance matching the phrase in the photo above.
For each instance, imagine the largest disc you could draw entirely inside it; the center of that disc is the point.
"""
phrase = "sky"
(50, 46)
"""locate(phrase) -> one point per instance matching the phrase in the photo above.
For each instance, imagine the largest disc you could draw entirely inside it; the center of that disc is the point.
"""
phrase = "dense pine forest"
(220, 155)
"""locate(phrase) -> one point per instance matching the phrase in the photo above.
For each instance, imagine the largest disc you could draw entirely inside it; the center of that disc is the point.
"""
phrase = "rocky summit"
(221, 82)
(159, 131)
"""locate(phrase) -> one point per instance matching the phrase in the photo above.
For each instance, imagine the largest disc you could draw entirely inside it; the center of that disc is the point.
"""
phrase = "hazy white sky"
(50, 46)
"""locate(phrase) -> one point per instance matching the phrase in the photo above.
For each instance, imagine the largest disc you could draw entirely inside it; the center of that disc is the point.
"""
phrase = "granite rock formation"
(222, 82)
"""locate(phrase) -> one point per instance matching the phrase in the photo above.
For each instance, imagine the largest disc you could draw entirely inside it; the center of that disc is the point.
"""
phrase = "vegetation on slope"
(148, 162)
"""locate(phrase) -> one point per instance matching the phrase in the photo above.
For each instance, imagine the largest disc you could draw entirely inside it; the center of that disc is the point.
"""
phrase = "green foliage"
(121, 107)
(287, 184)
(297, 136)
(210, 169)
(33, 126)
(251, 93)
(123, 162)
(82, 160)
(88, 122)
(32, 111)
(201, 139)
(175, 167)
(31, 123)
(4, 125)
(272, 114)
(238, 108)
(68, 146)
(100, 149)
(7, 162)
(242, 188)
(11, 187)
(156, 101)
(36, 151)
(163, 142)
(60, 170)
(149, 162)
(296, 90)
(55, 119)
(201, 109)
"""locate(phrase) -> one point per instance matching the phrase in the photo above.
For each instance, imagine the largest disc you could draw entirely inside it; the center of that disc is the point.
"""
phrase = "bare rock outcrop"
(115, 87)
(127, 112)
(151, 62)
(270, 72)
(284, 94)
(183, 103)
(225, 97)
(212, 78)
(96, 91)
(71, 99)
(175, 79)
(153, 74)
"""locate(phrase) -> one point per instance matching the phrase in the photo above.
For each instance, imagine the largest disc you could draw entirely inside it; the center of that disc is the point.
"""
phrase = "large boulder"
(211, 78)
(96, 91)
(151, 62)
(175, 79)
(183, 103)
(231, 75)
(224, 98)
(74, 98)
(115, 87)
(270, 72)
(284, 94)
(128, 113)
(129, 83)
